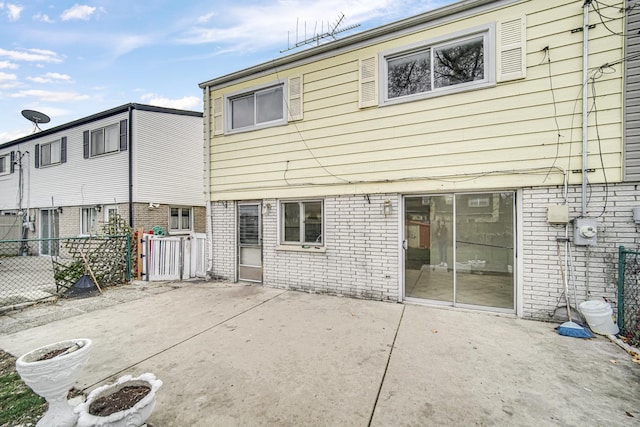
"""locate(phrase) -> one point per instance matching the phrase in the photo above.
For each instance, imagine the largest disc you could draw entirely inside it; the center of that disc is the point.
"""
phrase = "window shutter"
(12, 167)
(295, 98)
(512, 52)
(85, 144)
(218, 123)
(37, 155)
(63, 150)
(368, 91)
(123, 135)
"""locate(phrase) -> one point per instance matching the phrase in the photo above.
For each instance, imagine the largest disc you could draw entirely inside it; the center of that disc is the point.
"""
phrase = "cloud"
(48, 95)
(13, 134)
(234, 27)
(79, 11)
(8, 80)
(8, 65)
(41, 17)
(31, 55)
(185, 103)
(51, 78)
(14, 11)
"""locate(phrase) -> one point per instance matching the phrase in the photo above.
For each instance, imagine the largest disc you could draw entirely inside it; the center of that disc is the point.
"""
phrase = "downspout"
(207, 165)
(585, 101)
(129, 138)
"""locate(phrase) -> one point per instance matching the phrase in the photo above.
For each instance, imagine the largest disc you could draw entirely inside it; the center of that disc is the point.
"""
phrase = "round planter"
(53, 378)
(133, 417)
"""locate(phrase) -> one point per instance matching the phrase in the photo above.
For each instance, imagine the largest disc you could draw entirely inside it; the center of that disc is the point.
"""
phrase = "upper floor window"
(5, 164)
(180, 220)
(443, 65)
(256, 109)
(50, 153)
(105, 140)
(301, 222)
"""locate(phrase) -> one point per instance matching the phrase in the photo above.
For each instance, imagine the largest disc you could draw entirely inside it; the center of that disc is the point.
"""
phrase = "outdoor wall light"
(99, 208)
(266, 208)
(59, 209)
(386, 207)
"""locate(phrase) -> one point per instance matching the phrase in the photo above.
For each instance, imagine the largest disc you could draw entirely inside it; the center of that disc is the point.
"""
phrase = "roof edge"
(370, 34)
(99, 116)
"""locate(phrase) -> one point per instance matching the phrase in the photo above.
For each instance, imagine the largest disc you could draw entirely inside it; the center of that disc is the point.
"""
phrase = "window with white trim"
(5, 164)
(180, 219)
(301, 222)
(50, 153)
(88, 221)
(443, 65)
(105, 140)
(259, 108)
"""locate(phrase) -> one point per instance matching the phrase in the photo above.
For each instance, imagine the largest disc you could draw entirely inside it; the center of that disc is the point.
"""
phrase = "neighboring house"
(139, 161)
(436, 159)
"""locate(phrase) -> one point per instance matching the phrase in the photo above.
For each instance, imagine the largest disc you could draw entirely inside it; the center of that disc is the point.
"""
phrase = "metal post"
(622, 258)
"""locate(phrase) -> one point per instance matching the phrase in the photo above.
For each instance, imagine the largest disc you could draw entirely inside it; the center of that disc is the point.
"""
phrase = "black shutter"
(85, 143)
(123, 135)
(37, 156)
(12, 168)
(63, 150)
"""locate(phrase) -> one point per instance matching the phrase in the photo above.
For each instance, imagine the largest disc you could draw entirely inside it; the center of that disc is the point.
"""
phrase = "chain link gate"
(629, 295)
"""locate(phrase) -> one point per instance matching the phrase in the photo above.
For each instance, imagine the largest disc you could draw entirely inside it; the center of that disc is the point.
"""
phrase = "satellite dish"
(36, 117)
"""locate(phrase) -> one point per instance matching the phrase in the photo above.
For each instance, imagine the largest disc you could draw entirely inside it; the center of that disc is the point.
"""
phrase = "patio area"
(235, 354)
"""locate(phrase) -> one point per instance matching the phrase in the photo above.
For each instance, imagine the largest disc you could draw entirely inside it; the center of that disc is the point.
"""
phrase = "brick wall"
(361, 258)
(592, 268)
(223, 226)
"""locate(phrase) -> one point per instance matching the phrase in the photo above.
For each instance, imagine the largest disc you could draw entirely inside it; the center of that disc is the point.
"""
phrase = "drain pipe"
(207, 163)
(130, 149)
(585, 102)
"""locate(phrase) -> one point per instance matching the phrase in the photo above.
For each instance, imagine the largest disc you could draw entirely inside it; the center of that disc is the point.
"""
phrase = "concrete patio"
(234, 354)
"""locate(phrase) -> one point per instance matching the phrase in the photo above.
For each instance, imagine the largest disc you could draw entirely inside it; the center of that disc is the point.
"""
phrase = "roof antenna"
(35, 117)
(332, 31)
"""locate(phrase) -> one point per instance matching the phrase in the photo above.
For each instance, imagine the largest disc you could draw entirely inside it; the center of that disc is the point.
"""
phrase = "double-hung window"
(4, 164)
(50, 153)
(259, 108)
(180, 220)
(301, 222)
(440, 66)
(105, 140)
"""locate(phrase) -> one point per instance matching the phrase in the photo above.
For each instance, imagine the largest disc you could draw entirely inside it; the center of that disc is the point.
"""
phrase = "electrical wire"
(555, 111)
(595, 116)
(596, 8)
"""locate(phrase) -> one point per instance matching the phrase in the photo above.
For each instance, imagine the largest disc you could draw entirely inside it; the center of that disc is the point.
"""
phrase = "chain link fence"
(33, 270)
(629, 295)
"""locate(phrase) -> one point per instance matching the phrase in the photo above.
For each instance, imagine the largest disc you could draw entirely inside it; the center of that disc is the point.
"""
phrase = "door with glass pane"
(49, 226)
(249, 242)
(459, 249)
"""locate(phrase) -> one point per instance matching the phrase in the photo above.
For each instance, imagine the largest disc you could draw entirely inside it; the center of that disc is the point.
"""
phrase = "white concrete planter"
(53, 378)
(133, 417)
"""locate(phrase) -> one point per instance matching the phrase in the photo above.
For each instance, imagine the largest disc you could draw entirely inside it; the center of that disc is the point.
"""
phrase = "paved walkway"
(233, 354)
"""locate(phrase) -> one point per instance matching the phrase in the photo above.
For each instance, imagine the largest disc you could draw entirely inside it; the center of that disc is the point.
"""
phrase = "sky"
(71, 59)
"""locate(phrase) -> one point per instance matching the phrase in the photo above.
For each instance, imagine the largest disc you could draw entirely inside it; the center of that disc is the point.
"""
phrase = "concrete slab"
(233, 354)
(460, 368)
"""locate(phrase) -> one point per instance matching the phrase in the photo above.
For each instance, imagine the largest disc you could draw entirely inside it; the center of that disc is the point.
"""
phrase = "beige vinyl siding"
(632, 99)
(485, 138)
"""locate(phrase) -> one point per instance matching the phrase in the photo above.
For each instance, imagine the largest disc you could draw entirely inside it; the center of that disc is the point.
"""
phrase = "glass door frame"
(249, 268)
(516, 261)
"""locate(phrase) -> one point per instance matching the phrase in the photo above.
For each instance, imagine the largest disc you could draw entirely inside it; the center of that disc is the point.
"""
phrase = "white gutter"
(585, 102)
(207, 174)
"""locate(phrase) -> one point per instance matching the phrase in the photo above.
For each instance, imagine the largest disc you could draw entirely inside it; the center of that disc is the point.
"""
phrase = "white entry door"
(249, 242)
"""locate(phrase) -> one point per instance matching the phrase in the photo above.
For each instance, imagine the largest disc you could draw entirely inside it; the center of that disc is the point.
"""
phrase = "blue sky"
(72, 59)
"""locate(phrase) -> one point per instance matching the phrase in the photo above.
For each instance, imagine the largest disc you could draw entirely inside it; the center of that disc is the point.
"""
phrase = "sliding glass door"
(459, 249)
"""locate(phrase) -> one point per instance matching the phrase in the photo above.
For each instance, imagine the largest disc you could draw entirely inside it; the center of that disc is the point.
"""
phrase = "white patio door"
(249, 242)
(49, 226)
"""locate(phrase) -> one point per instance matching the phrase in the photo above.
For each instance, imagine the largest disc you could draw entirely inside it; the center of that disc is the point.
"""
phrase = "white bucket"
(598, 316)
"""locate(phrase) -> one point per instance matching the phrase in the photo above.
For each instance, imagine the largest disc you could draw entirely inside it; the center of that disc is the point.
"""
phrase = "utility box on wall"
(585, 231)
